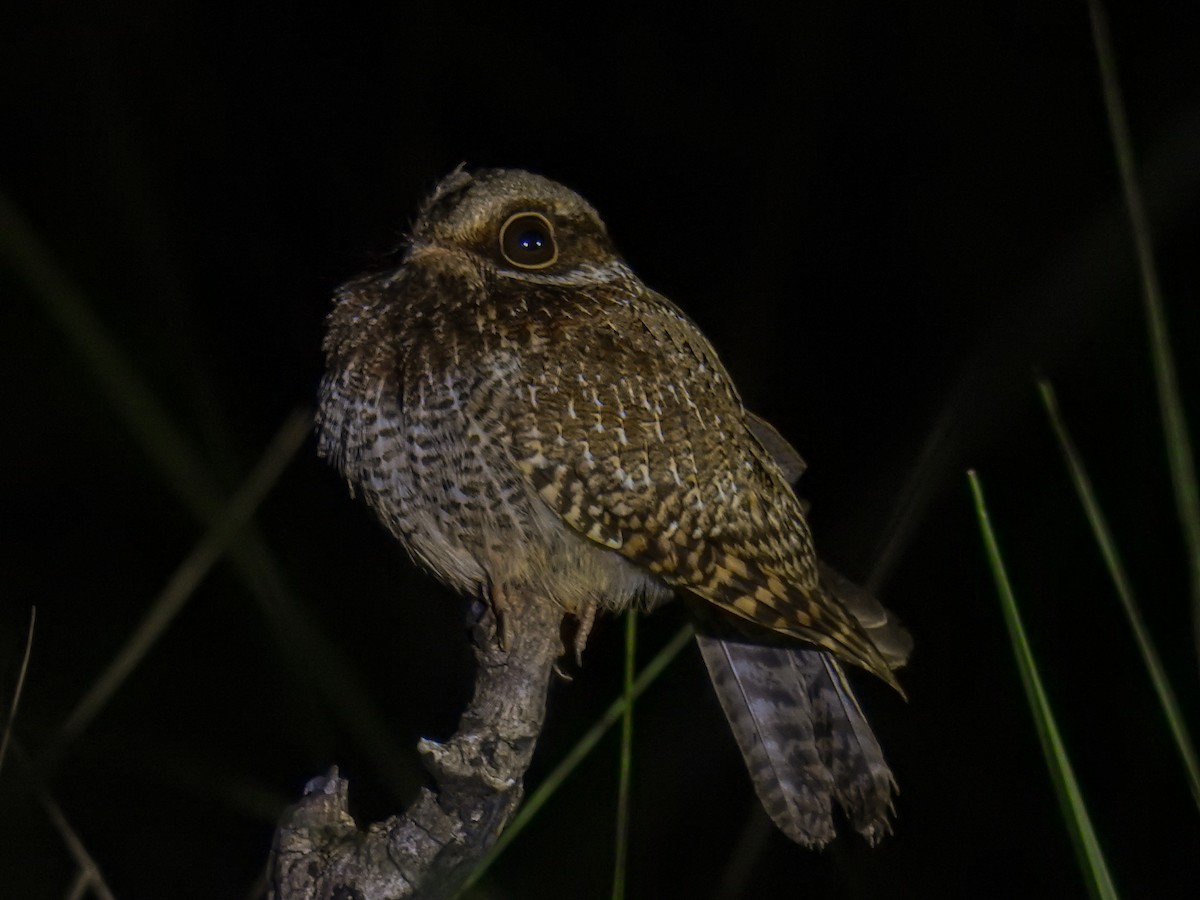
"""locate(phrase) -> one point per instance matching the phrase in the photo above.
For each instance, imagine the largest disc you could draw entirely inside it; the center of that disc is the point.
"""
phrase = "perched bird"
(528, 418)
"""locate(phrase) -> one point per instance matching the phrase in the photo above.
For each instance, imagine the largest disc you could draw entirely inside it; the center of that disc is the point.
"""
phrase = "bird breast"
(420, 430)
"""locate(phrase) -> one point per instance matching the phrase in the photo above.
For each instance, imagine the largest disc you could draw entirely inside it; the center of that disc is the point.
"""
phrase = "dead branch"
(428, 850)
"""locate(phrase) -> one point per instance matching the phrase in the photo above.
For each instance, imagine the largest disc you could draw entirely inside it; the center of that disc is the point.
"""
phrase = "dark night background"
(887, 220)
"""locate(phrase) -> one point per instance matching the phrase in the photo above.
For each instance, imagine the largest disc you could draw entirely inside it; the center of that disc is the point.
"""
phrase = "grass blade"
(622, 854)
(180, 465)
(89, 876)
(1116, 570)
(89, 871)
(579, 753)
(1070, 798)
(1175, 432)
(64, 301)
(12, 710)
(190, 573)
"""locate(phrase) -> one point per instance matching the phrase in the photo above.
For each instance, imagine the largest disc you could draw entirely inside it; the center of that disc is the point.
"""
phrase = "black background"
(887, 220)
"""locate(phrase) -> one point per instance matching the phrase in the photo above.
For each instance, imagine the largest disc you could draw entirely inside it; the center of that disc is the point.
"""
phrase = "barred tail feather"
(804, 739)
(862, 781)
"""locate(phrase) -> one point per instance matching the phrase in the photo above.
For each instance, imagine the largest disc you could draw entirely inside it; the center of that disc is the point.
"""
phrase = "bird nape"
(529, 419)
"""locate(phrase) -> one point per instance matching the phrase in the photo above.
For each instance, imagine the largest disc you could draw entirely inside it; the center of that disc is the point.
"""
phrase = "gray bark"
(428, 850)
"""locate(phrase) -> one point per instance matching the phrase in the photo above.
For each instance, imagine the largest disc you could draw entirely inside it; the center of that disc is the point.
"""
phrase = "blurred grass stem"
(1116, 570)
(579, 753)
(622, 850)
(12, 708)
(312, 655)
(190, 573)
(1175, 432)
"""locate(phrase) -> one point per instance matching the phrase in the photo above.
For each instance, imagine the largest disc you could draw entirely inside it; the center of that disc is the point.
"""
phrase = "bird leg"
(498, 600)
(585, 618)
(577, 634)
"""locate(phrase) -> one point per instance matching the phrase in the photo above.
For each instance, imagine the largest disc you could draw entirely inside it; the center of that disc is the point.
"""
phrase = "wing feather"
(649, 452)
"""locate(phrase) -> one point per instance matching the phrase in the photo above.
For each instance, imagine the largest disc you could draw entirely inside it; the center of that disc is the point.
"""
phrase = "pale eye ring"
(527, 241)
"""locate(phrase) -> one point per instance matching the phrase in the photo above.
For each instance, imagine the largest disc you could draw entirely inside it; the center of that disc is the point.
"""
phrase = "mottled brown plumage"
(527, 417)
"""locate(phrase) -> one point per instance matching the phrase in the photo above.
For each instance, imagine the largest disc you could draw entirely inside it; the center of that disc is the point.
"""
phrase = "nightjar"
(528, 418)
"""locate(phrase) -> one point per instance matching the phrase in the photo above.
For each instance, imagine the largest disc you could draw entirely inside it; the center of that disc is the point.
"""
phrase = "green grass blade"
(1175, 432)
(1079, 824)
(627, 759)
(190, 574)
(579, 752)
(184, 469)
(1116, 570)
(622, 854)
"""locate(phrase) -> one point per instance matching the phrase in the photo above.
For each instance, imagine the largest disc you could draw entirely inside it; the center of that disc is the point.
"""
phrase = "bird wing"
(890, 638)
(629, 428)
(791, 464)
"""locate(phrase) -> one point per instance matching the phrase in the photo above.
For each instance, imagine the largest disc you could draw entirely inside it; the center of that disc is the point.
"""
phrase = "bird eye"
(527, 241)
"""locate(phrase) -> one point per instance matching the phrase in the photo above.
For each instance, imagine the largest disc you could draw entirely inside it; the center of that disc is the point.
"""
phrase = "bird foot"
(498, 600)
(585, 618)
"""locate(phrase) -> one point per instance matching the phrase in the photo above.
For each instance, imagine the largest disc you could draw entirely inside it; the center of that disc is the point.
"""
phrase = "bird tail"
(805, 740)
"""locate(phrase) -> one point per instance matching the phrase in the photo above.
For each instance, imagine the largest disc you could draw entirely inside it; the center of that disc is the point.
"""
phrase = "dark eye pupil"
(527, 241)
(531, 241)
